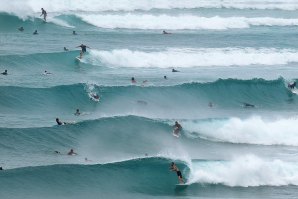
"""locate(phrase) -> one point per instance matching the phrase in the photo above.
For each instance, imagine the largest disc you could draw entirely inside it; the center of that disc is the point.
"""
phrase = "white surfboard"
(176, 135)
(295, 91)
(182, 185)
(78, 58)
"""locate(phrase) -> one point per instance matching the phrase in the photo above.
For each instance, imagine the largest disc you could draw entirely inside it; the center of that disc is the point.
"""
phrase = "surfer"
(247, 105)
(77, 113)
(292, 85)
(71, 152)
(133, 80)
(47, 73)
(142, 102)
(177, 128)
(57, 152)
(65, 49)
(35, 32)
(74, 32)
(165, 77)
(21, 29)
(94, 96)
(1, 168)
(210, 104)
(174, 70)
(165, 33)
(83, 48)
(175, 168)
(4, 73)
(59, 122)
(44, 13)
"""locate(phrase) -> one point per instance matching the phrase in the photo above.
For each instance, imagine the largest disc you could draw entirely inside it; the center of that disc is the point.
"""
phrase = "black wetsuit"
(83, 48)
(179, 174)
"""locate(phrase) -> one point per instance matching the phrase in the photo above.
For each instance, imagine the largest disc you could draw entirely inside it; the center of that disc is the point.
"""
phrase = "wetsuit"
(179, 174)
(83, 48)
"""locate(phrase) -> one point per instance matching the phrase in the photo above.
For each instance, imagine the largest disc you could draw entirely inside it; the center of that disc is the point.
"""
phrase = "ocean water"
(228, 52)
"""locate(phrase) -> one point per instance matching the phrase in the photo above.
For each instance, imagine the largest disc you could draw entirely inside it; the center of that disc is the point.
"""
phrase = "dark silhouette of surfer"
(179, 174)
(44, 13)
(292, 85)
(4, 73)
(247, 105)
(21, 29)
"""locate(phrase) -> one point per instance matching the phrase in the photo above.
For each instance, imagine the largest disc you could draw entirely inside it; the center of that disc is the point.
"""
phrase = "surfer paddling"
(175, 168)
(177, 128)
(61, 123)
(44, 13)
(4, 73)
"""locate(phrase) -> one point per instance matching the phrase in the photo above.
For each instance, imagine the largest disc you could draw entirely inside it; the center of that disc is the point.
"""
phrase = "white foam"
(180, 22)
(254, 130)
(59, 22)
(192, 57)
(245, 171)
(29, 6)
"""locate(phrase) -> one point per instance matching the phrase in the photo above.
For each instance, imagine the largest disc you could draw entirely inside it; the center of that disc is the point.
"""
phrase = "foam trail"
(27, 7)
(192, 57)
(59, 22)
(245, 171)
(254, 130)
(180, 22)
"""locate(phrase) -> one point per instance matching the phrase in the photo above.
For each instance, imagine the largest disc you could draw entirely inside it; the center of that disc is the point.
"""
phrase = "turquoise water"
(229, 53)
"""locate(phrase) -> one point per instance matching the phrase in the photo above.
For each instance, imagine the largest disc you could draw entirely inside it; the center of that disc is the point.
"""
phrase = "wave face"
(132, 99)
(144, 175)
(193, 57)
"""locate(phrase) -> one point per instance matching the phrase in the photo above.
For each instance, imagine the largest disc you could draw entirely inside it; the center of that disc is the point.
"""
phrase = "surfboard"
(182, 185)
(78, 58)
(176, 132)
(176, 135)
(295, 91)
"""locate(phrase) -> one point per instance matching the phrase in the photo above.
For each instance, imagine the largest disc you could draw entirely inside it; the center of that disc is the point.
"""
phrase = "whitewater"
(239, 118)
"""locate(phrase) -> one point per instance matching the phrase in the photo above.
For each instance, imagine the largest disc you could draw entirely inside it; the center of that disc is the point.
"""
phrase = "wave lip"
(180, 22)
(193, 57)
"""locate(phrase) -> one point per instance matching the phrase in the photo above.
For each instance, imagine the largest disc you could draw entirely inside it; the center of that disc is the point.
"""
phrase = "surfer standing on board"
(177, 128)
(83, 49)
(175, 168)
(44, 13)
(292, 85)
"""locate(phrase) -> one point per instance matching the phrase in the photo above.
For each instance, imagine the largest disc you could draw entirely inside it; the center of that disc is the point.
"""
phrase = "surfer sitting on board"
(177, 128)
(292, 85)
(175, 168)
(44, 13)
